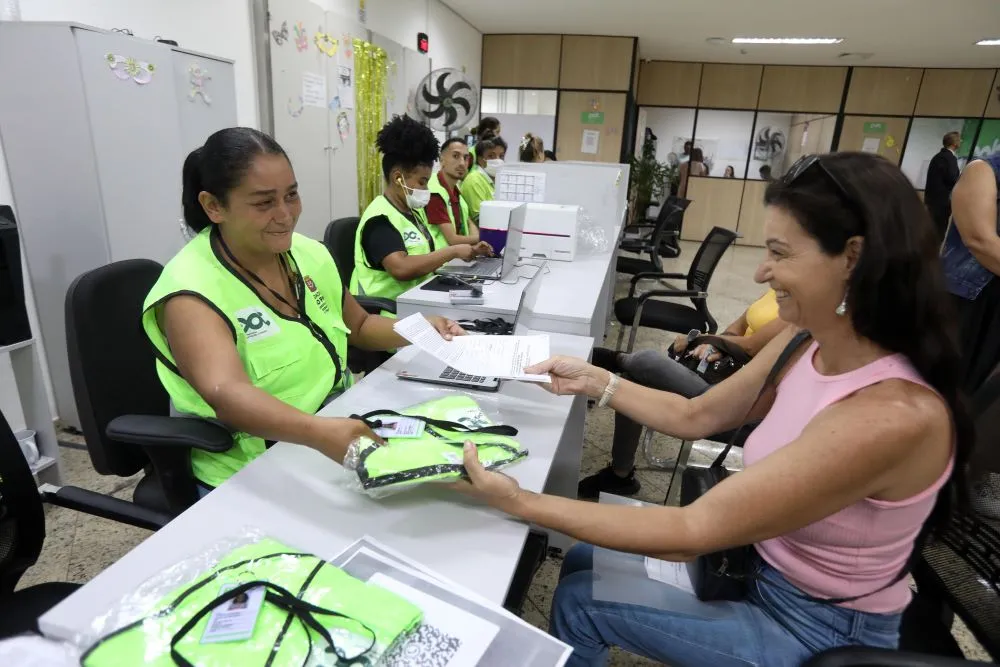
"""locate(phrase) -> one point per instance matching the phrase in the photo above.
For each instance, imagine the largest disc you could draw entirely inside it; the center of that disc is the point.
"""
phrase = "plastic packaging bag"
(592, 238)
(433, 449)
(35, 651)
(250, 600)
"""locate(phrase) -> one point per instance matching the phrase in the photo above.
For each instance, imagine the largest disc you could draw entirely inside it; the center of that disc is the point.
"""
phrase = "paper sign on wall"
(314, 90)
(591, 142)
(870, 145)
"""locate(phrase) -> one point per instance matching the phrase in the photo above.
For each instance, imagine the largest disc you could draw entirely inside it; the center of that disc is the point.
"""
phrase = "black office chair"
(339, 240)
(22, 532)
(657, 238)
(642, 310)
(123, 408)
(859, 656)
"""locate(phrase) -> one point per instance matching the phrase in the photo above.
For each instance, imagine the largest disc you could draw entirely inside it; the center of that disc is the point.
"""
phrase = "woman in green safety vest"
(447, 214)
(489, 126)
(478, 185)
(249, 321)
(394, 250)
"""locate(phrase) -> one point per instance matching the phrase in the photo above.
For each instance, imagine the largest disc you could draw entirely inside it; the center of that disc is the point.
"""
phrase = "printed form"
(503, 357)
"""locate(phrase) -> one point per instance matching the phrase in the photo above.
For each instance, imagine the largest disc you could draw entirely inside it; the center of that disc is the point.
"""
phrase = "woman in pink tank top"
(848, 465)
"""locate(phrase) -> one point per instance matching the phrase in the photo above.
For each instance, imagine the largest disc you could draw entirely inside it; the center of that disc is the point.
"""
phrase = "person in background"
(550, 156)
(489, 126)
(249, 320)
(686, 155)
(971, 260)
(942, 175)
(765, 172)
(393, 248)
(693, 167)
(862, 449)
(447, 214)
(532, 149)
(729, 172)
(752, 331)
(478, 186)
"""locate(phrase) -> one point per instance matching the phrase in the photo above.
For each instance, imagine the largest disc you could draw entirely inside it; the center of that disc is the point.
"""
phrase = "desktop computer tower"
(14, 326)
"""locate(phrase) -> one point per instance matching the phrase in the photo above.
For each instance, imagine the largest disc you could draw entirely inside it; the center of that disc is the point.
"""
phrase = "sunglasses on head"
(807, 162)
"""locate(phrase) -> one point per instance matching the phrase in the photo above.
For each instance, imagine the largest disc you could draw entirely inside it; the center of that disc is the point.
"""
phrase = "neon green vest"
(461, 226)
(437, 454)
(362, 620)
(379, 282)
(297, 362)
(477, 188)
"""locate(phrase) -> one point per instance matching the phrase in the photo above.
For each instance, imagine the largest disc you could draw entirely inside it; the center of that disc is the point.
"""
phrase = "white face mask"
(416, 199)
(492, 166)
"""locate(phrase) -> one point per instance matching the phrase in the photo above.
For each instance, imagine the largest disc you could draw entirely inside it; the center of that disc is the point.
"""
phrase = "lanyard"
(253, 276)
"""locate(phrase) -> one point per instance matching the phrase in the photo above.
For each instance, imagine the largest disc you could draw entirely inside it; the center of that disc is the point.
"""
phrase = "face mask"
(492, 166)
(416, 199)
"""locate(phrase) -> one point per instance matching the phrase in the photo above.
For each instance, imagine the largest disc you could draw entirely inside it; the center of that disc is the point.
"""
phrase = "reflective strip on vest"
(292, 360)
(369, 281)
(363, 620)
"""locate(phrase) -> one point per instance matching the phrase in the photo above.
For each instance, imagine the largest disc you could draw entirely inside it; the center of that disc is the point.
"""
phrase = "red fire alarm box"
(422, 44)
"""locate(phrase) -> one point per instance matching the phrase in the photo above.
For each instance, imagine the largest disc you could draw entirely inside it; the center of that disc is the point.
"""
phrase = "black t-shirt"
(380, 239)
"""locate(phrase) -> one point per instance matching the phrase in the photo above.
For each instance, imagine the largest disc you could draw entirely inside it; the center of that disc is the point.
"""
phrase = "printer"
(550, 232)
(494, 217)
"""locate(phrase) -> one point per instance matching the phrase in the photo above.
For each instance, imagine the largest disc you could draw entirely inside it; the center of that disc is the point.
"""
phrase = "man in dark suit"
(942, 174)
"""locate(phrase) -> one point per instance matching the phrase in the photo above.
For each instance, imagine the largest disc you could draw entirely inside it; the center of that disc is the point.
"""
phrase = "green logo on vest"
(256, 325)
(317, 295)
(412, 238)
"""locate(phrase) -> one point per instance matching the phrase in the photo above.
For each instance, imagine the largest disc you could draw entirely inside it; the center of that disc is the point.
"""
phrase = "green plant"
(649, 177)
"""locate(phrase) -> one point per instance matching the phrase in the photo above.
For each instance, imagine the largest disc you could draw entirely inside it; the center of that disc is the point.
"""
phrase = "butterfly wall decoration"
(281, 36)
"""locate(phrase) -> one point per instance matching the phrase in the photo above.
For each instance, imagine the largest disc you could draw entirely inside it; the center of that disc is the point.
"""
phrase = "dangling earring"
(842, 308)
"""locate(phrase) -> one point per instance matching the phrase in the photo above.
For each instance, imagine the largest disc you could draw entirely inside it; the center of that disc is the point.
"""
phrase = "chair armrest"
(690, 294)
(375, 305)
(157, 431)
(106, 507)
(652, 275)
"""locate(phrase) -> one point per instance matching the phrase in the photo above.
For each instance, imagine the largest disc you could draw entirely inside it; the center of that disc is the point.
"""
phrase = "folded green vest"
(437, 454)
(312, 613)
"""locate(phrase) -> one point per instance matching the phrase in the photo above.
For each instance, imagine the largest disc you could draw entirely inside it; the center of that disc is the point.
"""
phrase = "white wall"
(669, 125)
(725, 136)
(780, 122)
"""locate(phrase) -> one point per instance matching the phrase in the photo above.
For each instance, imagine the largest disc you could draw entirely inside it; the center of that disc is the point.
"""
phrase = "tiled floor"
(78, 546)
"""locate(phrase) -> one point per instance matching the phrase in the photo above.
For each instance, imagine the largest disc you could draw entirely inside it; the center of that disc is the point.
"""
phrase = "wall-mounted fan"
(769, 144)
(445, 100)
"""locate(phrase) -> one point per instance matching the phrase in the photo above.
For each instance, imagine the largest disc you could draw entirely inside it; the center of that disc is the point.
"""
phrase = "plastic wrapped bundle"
(260, 603)
(431, 450)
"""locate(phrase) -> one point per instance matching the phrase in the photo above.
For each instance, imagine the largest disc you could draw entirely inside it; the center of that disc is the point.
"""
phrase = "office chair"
(22, 532)
(659, 239)
(642, 310)
(123, 408)
(339, 240)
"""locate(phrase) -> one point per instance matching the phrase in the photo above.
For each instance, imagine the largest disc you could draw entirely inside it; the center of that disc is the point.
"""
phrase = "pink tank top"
(864, 546)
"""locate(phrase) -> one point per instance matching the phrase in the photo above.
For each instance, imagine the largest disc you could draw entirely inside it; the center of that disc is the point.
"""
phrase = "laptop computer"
(425, 368)
(493, 268)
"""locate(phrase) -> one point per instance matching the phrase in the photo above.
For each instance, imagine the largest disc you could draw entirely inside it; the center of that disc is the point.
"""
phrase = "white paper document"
(313, 90)
(526, 186)
(591, 142)
(503, 357)
(670, 573)
(871, 145)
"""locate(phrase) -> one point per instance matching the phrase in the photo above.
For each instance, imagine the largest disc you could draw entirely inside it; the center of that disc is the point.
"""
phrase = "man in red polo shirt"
(447, 213)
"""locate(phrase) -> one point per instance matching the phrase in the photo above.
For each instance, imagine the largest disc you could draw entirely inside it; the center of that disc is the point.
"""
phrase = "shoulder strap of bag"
(782, 361)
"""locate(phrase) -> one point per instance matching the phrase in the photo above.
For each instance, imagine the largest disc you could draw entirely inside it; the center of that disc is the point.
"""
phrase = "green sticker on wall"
(592, 118)
(874, 128)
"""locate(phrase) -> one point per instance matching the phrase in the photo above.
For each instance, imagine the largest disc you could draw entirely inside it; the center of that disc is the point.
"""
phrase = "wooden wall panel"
(730, 86)
(802, 88)
(883, 90)
(521, 61)
(751, 225)
(569, 135)
(596, 63)
(956, 93)
(669, 84)
(993, 108)
(852, 135)
(715, 202)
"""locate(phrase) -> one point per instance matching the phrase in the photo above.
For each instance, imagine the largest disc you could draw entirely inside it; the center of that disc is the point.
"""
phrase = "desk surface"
(296, 495)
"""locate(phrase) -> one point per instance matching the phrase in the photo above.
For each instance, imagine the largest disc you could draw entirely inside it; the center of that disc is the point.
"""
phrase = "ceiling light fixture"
(788, 40)
(988, 42)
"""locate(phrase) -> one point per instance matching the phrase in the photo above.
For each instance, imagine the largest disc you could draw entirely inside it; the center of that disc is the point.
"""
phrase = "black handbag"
(723, 575)
(733, 358)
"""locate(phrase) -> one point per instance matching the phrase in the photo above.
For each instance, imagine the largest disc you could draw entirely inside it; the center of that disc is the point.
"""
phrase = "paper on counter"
(670, 573)
(503, 357)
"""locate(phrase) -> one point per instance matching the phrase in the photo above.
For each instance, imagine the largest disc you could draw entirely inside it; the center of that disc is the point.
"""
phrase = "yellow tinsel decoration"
(371, 69)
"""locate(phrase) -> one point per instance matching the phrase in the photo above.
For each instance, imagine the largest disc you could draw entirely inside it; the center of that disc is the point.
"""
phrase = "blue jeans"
(774, 626)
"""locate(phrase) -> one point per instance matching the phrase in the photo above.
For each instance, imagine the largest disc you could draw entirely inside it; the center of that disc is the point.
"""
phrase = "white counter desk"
(501, 298)
(295, 495)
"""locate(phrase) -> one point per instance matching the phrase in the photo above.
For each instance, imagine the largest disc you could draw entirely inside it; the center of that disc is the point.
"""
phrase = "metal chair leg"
(621, 336)
(682, 460)
(647, 451)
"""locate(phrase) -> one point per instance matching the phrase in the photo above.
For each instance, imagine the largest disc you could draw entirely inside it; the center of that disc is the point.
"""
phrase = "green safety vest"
(299, 362)
(461, 226)
(310, 608)
(437, 454)
(477, 188)
(369, 281)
